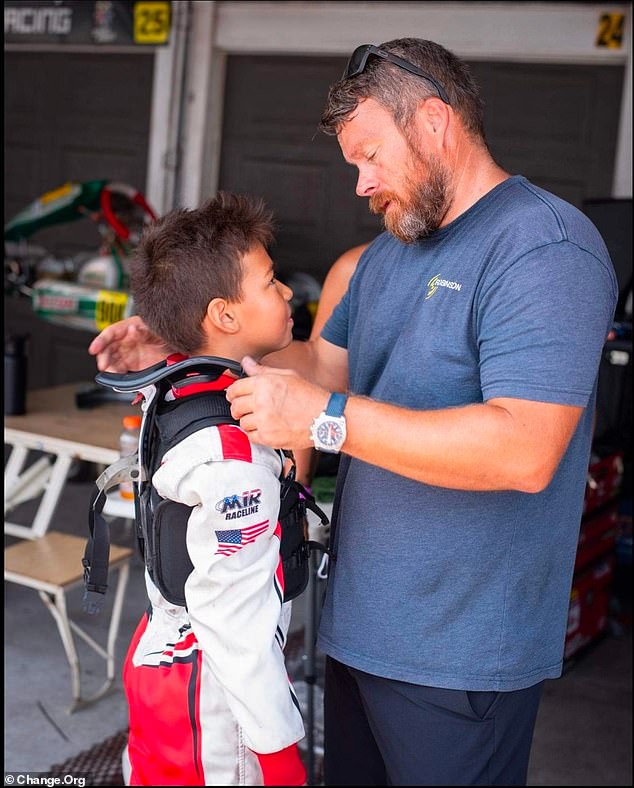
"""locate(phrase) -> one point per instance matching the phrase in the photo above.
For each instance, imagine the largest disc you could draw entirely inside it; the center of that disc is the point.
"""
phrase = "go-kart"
(120, 213)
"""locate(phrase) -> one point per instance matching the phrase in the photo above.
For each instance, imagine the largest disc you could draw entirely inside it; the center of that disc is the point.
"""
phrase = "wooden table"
(49, 561)
(55, 425)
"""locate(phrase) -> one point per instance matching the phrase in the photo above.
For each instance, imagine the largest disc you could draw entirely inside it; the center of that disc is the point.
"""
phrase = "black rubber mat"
(100, 764)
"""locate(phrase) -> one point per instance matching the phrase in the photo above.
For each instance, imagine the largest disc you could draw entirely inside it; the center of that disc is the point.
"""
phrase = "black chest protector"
(161, 524)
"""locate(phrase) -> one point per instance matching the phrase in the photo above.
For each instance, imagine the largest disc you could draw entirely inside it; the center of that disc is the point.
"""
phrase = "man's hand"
(127, 345)
(276, 407)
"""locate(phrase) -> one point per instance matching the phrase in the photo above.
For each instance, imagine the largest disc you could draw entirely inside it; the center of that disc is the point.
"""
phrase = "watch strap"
(336, 404)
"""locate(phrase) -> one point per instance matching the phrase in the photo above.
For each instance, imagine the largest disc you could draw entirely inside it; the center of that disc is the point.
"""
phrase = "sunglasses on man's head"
(357, 63)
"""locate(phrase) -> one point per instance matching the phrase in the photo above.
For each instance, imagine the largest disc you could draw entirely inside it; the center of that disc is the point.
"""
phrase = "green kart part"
(72, 201)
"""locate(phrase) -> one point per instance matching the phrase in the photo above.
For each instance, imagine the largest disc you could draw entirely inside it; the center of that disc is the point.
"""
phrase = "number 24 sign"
(610, 32)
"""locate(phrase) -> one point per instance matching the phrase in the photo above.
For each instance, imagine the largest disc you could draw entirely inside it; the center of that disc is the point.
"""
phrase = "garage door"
(556, 124)
(73, 117)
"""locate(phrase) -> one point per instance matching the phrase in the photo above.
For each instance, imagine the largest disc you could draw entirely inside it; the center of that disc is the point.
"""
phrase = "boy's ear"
(222, 316)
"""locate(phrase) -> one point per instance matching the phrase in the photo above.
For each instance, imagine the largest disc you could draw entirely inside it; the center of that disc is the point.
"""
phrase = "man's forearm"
(503, 444)
(475, 447)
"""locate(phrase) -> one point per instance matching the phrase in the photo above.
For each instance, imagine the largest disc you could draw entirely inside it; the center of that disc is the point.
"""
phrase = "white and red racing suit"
(210, 702)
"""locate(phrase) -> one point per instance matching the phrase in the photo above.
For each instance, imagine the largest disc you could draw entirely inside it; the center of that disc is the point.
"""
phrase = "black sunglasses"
(359, 59)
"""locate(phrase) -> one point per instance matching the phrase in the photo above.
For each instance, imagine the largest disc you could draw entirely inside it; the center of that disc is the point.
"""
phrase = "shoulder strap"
(344, 466)
(178, 419)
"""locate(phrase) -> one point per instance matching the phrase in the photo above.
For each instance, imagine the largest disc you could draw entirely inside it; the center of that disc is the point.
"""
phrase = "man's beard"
(422, 211)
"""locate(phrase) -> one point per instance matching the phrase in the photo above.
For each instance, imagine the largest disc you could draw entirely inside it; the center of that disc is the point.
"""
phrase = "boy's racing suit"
(210, 702)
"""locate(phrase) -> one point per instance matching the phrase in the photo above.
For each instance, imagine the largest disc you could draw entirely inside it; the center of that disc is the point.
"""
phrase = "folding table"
(48, 560)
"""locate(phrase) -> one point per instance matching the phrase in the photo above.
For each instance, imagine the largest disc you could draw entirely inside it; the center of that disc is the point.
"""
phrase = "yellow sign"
(110, 307)
(151, 22)
(610, 32)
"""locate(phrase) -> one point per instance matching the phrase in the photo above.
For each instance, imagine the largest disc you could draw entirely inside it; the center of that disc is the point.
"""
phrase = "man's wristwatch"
(329, 428)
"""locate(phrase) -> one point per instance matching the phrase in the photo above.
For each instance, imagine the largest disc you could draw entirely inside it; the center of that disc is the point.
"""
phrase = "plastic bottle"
(15, 367)
(128, 444)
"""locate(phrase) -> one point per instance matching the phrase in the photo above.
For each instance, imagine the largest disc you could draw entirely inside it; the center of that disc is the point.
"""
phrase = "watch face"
(329, 433)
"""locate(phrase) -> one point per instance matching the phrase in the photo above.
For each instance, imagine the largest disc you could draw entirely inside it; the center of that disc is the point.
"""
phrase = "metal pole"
(309, 664)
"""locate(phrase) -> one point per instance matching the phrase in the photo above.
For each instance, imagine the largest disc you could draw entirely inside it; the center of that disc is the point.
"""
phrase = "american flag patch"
(231, 541)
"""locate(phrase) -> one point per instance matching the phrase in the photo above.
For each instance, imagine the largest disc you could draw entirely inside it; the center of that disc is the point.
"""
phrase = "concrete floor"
(583, 734)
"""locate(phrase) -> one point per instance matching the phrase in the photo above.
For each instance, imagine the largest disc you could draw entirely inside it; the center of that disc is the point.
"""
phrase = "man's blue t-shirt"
(449, 588)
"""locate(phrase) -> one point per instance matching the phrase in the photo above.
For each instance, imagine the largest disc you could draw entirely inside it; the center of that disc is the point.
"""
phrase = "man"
(468, 346)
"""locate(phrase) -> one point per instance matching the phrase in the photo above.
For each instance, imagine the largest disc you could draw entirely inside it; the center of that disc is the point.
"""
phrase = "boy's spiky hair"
(189, 257)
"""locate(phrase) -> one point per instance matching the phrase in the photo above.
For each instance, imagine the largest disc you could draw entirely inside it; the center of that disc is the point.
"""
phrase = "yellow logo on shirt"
(437, 281)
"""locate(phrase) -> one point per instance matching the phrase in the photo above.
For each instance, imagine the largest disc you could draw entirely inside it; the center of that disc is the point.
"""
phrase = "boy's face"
(264, 310)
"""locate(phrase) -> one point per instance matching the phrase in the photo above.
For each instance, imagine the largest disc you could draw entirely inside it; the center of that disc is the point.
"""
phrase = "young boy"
(209, 699)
